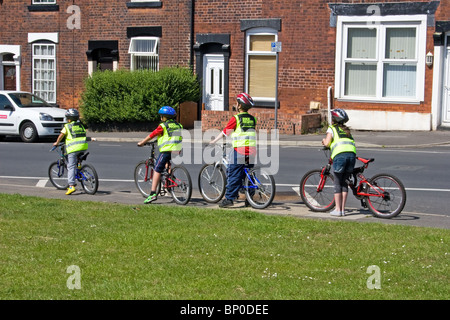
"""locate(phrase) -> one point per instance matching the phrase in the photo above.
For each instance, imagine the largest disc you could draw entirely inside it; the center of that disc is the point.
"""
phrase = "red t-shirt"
(159, 131)
(231, 126)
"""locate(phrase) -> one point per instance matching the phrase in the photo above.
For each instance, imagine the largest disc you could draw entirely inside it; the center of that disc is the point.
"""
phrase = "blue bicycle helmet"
(167, 111)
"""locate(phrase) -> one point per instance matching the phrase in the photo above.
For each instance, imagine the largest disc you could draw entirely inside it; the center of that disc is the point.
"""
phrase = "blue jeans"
(72, 167)
(343, 164)
(235, 174)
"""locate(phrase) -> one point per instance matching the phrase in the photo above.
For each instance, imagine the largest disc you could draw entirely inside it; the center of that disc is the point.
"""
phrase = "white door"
(213, 68)
(446, 97)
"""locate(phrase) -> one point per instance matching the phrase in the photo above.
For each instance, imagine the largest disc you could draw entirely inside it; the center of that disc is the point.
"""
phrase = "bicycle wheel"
(260, 188)
(212, 182)
(58, 175)
(88, 178)
(393, 198)
(179, 185)
(143, 177)
(319, 201)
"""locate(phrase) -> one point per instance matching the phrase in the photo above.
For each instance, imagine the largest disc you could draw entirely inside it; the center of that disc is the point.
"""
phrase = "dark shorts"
(163, 158)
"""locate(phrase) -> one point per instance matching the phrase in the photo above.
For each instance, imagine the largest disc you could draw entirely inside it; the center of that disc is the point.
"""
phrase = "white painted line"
(41, 183)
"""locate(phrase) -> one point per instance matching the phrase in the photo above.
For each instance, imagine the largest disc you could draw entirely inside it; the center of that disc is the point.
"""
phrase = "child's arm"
(60, 137)
(157, 132)
(231, 126)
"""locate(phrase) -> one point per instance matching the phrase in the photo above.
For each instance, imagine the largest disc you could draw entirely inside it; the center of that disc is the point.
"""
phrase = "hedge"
(135, 96)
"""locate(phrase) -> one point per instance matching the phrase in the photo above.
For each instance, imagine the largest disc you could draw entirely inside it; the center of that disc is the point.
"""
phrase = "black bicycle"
(85, 173)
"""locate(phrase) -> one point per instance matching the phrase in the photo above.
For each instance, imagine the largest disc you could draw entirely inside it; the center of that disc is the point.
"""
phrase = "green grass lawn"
(159, 252)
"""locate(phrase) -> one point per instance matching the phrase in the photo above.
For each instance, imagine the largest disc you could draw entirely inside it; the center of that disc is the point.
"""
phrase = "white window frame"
(248, 53)
(44, 57)
(153, 53)
(381, 23)
(44, 2)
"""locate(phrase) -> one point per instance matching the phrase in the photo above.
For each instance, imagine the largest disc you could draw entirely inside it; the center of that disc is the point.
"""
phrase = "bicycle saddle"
(364, 160)
(82, 156)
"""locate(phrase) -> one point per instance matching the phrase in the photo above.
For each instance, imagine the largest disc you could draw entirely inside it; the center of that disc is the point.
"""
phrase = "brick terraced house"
(386, 62)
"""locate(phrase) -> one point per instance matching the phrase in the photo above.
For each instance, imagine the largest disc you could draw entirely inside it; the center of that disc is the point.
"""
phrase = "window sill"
(43, 8)
(265, 104)
(390, 101)
(149, 4)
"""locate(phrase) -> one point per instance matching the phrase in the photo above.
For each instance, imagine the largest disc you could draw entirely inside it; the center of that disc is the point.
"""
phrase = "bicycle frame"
(79, 175)
(165, 176)
(224, 161)
(360, 183)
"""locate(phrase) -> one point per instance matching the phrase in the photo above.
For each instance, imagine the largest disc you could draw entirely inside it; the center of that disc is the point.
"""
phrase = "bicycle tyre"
(181, 193)
(318, 201)
(262, 196)
(89, 179)
(393, 202)
(57, 177)
(212, 188)
(144, 186)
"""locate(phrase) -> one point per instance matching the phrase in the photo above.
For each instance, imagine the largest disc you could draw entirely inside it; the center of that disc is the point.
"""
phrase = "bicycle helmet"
(245, 100)
(167, 111)
(72, 114)
(339, 115)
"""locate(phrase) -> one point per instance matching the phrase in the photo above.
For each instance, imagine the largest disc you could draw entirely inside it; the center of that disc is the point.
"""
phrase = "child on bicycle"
(75, 143)
(241, 127)
(343, 153)
(169, 140)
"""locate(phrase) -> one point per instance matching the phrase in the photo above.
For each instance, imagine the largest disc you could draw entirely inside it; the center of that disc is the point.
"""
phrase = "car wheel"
(28, 132)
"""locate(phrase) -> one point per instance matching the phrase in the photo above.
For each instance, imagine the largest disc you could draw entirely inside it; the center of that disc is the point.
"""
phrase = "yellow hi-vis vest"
(76, 137)
(245, 134)
(171, 139)
(341, 142)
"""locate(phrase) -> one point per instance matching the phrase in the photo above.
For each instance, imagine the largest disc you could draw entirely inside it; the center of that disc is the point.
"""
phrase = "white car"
(28, 116)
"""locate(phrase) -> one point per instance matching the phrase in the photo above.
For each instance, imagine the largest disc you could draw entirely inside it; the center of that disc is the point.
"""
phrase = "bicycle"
(383, 194)
(258, 185)
(174, 180)
(85, 173)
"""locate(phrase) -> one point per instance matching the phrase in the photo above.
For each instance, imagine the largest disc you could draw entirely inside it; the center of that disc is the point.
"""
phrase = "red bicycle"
(383, 194)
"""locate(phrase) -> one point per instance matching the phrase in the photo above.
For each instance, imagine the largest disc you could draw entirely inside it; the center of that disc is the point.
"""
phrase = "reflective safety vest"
(245, 134)
(76, 137)
(171, 138)
(341, 142)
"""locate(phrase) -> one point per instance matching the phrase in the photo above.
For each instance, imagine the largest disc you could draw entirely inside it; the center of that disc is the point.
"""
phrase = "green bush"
(135, 96)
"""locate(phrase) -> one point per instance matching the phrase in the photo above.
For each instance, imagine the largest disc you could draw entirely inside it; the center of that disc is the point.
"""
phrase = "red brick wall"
(307, 60)
(286, 124)
(100, 20)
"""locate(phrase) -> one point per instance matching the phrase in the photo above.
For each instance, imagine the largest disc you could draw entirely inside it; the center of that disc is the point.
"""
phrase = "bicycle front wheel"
(179, 185)
(387, 196)
(88, 178)
(57, 173)
(212, 182)
(259, 188)
(315, 198)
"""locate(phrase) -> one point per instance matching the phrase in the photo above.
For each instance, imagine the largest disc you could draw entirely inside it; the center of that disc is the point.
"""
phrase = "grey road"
(23, 169)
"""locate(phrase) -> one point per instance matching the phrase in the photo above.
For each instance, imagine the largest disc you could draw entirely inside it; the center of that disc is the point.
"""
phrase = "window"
(4, 103)
(44, 1)
(261, 69)
(44, 71)
(381, 62)
(144, 53)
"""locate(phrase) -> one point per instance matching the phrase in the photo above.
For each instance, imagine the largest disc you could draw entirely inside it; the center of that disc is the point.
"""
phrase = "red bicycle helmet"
(339, 115)
(245, 99)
